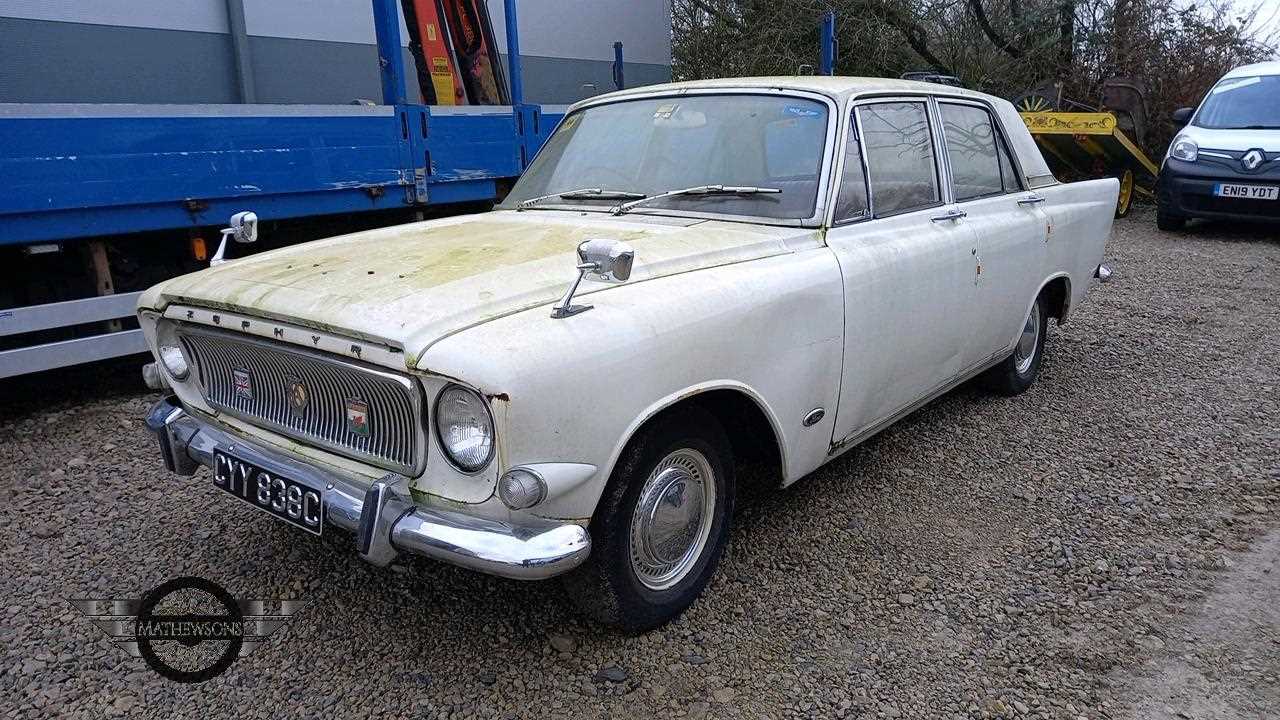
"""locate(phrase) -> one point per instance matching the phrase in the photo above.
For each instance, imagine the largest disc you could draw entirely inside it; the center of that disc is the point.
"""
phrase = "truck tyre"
(1018, 371)
(1169, 222)
(661, 524)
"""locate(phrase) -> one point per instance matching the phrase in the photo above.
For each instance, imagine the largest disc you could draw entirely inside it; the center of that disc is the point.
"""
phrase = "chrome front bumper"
(383, 516)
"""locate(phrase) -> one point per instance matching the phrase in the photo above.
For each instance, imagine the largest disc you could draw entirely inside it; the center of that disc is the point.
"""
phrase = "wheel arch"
(752, 426)
(1056, 290)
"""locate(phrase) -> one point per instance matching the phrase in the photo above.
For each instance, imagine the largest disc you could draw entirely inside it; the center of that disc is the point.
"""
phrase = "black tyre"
(1018, 371)
(1169, 222)
(661, 524)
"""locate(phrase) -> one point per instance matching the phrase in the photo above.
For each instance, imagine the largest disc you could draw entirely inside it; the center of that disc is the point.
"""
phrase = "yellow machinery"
(1091, 144)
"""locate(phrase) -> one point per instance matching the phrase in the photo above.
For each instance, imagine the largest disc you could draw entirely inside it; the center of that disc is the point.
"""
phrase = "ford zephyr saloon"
(688, 277)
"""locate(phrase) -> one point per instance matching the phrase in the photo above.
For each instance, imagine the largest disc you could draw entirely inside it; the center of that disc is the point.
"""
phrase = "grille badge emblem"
(1251, 160)
(243, 383)
(358, 417)
(299, 396)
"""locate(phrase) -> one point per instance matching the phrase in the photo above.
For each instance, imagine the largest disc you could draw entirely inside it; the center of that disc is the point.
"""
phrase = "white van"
(1225, 162)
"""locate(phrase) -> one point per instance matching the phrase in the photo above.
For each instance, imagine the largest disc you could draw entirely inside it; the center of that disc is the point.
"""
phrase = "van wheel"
(661, 525)
(1018, 371)
(1168, 221)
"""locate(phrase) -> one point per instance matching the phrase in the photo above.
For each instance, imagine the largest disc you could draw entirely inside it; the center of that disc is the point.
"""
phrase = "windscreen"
(1242, 103)
(654, 145)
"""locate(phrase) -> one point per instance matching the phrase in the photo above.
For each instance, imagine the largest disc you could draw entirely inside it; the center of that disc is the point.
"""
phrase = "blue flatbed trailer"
(78, 173)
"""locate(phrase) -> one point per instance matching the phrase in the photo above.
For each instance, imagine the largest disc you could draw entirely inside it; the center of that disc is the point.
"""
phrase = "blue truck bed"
(91, 170)
(101, 172)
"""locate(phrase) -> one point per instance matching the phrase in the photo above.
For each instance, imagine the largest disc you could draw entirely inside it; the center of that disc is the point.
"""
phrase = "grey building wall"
(183, 54)
(46, 61)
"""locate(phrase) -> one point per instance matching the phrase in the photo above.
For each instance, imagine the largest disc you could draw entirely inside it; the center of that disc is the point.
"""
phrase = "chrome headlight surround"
(444, 420)
(1184, 149)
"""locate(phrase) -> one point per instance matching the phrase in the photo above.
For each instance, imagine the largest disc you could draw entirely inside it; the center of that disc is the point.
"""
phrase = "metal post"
(240, 46)
(619, 81)
(513, 51)
(828, 64)
(386, 24)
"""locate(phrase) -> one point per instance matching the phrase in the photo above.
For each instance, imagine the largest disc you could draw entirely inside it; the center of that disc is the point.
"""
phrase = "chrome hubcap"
(1025, 353)
(672, 519)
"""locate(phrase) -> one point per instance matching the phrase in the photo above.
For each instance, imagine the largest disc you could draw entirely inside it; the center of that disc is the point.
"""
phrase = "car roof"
(840, 89)
(836, 87)
(1263, 68)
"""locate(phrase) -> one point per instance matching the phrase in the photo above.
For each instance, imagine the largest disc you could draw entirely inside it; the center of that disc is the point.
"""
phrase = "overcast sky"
(1268, 19)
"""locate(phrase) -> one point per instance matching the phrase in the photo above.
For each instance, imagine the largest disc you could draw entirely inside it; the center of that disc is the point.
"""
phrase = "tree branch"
(975, 6)
(914, 33)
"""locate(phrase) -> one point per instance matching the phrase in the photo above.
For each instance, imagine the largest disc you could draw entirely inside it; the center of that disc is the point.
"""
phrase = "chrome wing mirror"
(599, 259)
(244, 229)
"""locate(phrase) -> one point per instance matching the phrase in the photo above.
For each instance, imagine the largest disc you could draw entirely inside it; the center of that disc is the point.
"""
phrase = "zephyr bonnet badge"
(1252, 159)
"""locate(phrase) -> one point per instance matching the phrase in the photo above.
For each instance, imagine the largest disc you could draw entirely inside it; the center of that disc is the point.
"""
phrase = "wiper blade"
(696, 190)
(1254, 127)
(581, 193)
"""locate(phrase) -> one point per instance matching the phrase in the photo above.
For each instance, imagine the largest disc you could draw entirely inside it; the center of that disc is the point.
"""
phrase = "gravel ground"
(1101, 547)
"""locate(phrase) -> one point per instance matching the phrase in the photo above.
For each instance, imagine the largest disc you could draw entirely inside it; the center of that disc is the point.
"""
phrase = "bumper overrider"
(383, 516)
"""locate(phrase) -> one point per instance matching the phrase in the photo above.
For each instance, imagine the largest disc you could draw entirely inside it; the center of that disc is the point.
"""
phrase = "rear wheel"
(661, 525)
(1018, 371)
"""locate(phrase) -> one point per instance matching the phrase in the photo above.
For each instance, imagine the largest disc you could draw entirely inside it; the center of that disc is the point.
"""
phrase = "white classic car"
(688, 277)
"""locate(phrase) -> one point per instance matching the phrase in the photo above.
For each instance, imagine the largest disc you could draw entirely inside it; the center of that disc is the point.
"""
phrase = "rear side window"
(900, 157)
(973, 150)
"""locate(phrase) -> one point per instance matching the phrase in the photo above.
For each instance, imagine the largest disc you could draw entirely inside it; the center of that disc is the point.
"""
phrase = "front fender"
(575, 390)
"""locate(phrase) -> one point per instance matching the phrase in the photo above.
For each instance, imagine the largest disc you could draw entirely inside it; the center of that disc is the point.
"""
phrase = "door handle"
(1031, 200)
(950, 215)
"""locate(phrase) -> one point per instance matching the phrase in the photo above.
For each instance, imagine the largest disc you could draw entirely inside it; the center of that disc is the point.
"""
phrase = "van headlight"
(1185, 150)
(464, 428)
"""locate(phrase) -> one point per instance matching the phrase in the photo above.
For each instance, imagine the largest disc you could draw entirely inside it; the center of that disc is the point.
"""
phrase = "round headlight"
(174, 361)
(465, 428)
(1185, 150)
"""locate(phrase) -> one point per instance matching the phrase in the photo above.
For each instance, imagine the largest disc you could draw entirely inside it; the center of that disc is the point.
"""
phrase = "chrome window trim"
(943, 187)
(821, 204)
(417, 397)
(1001, 143)
(850, 123)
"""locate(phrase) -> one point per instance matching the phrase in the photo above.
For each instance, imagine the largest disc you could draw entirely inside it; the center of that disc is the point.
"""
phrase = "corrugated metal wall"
(303, 51)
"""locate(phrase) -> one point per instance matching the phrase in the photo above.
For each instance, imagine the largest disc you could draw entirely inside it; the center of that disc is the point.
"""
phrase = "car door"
(907, 262)
(1009, 225)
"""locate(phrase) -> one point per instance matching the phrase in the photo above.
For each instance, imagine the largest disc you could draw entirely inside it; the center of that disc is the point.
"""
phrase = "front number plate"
(1247, 192)
(290, 501)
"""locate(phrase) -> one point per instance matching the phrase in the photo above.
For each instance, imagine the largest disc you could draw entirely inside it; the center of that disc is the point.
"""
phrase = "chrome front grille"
(312, 397)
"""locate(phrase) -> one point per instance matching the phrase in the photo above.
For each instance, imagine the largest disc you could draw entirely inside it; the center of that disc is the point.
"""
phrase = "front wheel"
(661, 525)
(1018, 371)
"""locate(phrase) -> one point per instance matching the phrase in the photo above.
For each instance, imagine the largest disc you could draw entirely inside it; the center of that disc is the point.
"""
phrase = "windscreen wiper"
(696, 190)
(581, 193)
